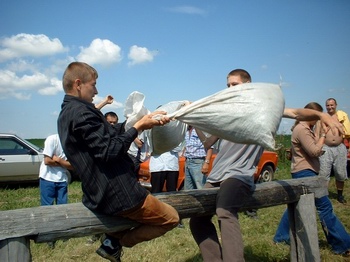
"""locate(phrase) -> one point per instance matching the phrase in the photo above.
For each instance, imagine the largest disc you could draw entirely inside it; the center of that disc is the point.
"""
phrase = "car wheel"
(266, 174)
(181, 187)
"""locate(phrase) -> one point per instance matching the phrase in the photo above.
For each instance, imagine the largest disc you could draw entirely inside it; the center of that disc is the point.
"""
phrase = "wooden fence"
(50, 223)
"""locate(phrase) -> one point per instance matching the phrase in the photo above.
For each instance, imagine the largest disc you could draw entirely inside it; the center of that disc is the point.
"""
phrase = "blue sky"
(169, 51)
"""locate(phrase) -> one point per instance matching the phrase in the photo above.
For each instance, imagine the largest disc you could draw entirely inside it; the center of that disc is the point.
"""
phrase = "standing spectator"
(306, 149)
(53, 180)
(164, 168)
(347, 144)
(197, 160)
(53, 173)
(335, 156)
(345, 121)
(111, 118)
(98, 153)
(233, 172)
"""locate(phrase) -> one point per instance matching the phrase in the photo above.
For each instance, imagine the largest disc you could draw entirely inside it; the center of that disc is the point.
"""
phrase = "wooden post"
(303, 230)
(15, 249)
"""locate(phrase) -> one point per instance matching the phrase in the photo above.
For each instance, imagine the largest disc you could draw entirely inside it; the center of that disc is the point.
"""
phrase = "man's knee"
(173, 221)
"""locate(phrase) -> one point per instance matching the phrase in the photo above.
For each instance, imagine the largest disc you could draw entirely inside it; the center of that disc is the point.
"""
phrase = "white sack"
(134, 109)
(247, 113)
(160, 138)
(167, 137)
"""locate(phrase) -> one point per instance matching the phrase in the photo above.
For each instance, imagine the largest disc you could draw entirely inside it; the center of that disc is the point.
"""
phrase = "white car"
(19, 159)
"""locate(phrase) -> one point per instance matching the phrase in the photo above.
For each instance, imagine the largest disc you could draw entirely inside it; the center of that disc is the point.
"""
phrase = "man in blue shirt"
(197, 160)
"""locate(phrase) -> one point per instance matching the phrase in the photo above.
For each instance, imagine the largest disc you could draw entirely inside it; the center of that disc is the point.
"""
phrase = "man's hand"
(109, 99)
(157, 118)
(205, 169)
(329, 122)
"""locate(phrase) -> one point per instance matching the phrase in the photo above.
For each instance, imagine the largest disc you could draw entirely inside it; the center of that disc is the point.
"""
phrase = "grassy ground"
(178, 244)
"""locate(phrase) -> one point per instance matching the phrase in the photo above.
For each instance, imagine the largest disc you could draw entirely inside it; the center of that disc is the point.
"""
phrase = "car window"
(39, 149)
(9, 146)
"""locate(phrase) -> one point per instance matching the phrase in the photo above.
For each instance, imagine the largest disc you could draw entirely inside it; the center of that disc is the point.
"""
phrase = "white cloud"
(22, 96)
(22, 45)
(186, 9)
(21, 65)
(25, 82)
(54, 87)
(55, 113)
(57, 66)
(264, 67)
(12, 85)
(139, 55)
(100, 51)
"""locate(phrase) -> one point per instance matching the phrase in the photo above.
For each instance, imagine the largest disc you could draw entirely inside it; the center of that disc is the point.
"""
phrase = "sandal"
(346, 253)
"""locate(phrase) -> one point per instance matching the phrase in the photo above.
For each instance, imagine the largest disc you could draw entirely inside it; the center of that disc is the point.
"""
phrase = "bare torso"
(333, 140)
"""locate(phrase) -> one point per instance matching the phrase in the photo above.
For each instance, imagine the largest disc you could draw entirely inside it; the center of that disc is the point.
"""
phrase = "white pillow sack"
(160, 138)
(247, 113)
(134, 109)
(165, 138)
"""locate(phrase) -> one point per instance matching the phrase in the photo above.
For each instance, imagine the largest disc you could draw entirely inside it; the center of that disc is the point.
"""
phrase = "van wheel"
(181, 187)
(266, 174)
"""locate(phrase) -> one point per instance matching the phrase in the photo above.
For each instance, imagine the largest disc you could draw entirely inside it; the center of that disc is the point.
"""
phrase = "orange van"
(264, 173)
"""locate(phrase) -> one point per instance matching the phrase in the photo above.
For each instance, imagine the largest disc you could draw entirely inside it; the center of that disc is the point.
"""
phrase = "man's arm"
(206, 141)
(138, 142)
(62, 162)
(107, 100)
(205, 167)
(304, 114)
(49, 161)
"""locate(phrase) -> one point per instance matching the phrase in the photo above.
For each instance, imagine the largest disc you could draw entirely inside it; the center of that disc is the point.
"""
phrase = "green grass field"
(178, 244)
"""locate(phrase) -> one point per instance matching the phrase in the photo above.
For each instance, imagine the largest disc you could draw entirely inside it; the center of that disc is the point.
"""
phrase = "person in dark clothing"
(98, 152)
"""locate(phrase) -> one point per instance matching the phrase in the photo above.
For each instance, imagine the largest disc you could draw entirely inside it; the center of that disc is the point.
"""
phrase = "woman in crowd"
(306, 149)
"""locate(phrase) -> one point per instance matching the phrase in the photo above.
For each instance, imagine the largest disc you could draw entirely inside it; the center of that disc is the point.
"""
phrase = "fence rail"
(50, 223)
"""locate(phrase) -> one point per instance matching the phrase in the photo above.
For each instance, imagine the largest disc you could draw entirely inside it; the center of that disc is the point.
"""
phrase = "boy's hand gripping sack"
(167, 137)
(160, 138)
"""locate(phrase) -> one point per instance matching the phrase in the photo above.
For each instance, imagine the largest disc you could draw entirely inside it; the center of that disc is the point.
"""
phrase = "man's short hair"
(112, 114)
(245, 76)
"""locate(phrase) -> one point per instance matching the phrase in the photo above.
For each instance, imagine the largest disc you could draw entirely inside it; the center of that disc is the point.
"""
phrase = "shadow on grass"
(248, 255)
(332, 195)
(196, 258)
(252, 256)
(13, 185)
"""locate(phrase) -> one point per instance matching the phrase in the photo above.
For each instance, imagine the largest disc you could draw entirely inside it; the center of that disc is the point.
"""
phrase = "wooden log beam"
(49, 223)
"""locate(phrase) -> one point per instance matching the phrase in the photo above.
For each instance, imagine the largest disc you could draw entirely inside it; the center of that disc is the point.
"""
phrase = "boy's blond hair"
(77, 70)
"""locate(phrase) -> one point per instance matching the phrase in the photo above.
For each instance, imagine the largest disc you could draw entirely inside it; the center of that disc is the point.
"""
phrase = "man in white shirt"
(53, 173)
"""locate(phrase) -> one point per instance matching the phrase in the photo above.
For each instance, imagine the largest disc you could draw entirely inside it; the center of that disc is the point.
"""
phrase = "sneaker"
(341, 199)
(110, 249)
